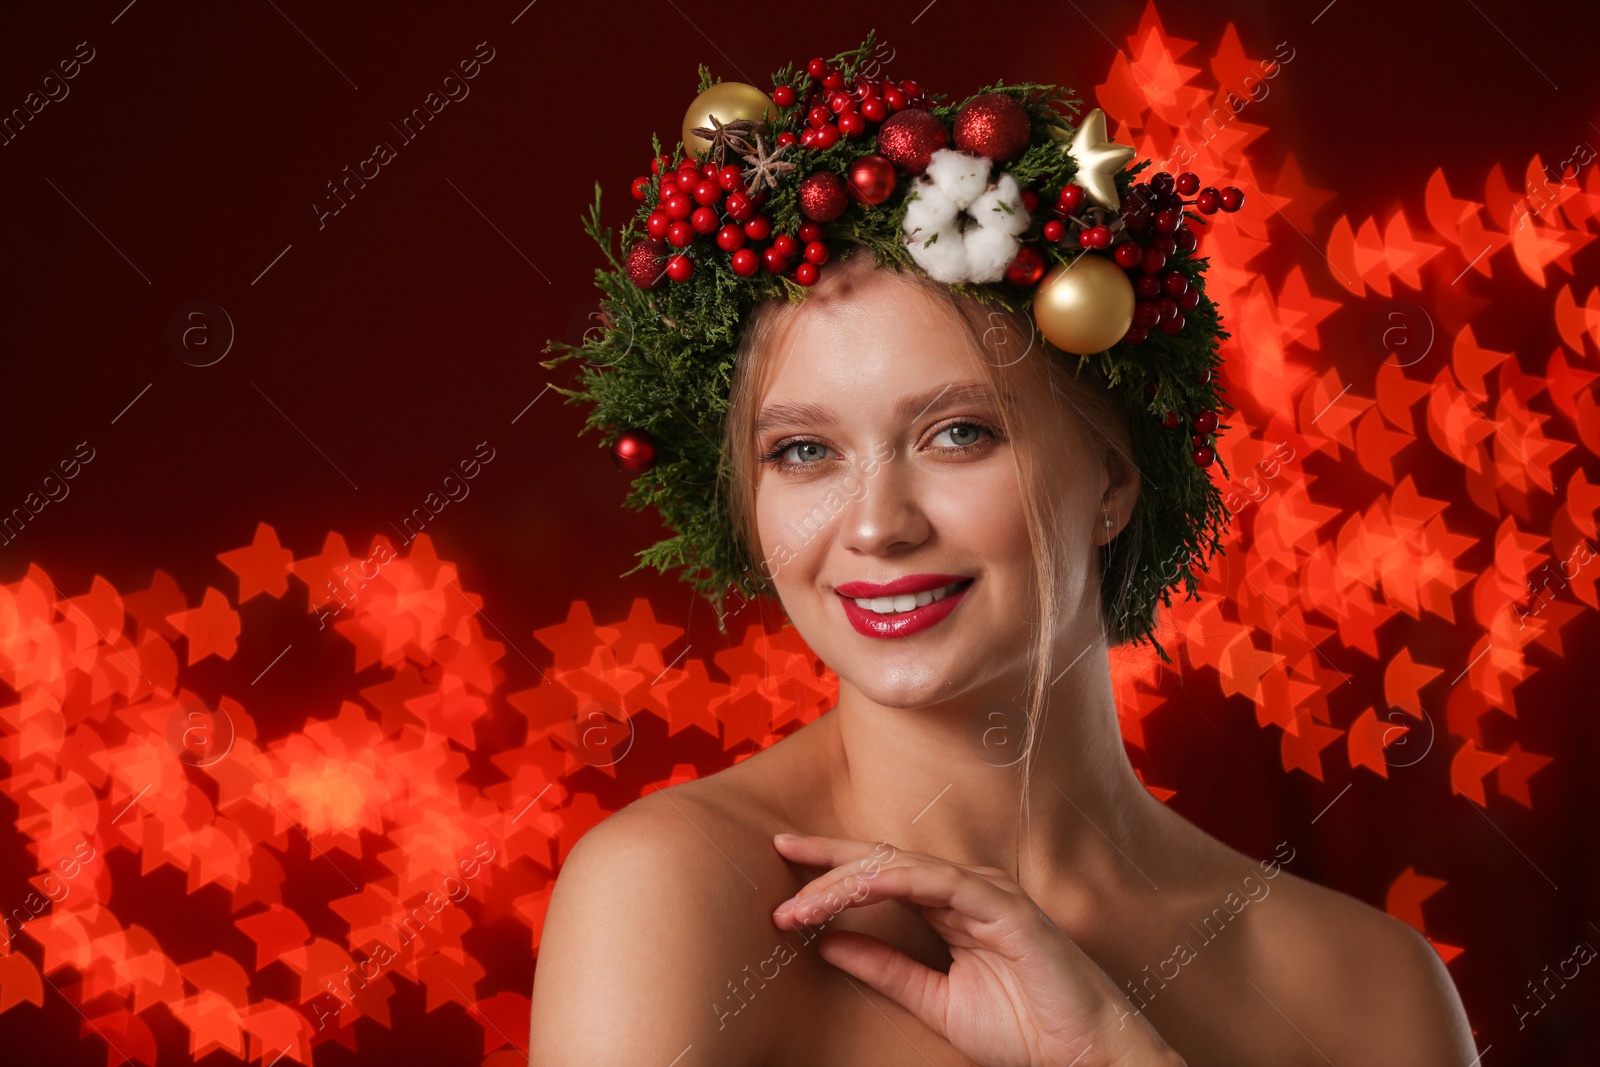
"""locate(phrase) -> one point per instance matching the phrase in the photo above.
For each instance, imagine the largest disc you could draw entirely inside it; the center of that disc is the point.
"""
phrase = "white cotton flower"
(959, 228)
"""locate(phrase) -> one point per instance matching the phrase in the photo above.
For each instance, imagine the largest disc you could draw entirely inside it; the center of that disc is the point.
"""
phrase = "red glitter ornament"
(634, 451)
(993, 125)
(823, 196)
(872, 179)
(909, 138)
(647, 264)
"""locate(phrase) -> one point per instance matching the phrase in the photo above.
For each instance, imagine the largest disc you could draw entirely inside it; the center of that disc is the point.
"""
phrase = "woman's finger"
(929, 884)
(844, 855)
(920, 989)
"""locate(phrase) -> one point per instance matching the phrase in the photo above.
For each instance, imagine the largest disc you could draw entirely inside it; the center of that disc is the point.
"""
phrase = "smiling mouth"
(897, 605)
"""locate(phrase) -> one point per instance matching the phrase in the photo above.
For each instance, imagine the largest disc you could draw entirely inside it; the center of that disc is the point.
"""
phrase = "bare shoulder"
(655, 916)
(1359, 984)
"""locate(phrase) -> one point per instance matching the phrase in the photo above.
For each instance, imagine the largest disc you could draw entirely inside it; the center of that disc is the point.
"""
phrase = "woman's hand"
(1020, 993)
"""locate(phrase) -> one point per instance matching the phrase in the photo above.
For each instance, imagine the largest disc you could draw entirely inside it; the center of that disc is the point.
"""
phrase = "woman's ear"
(1120, 493)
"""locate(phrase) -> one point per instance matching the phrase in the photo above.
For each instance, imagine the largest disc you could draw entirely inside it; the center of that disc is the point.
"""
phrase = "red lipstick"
(905, 623)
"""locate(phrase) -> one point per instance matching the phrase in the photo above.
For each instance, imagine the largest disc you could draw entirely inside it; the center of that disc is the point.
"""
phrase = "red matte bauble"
(910, 137)
(872, 179)
(647, 264)
(634, 451)
(823, 196)
(1027, 268)
(993, 125)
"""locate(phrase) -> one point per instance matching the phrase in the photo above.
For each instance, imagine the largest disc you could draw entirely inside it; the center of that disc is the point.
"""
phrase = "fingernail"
(786, 837)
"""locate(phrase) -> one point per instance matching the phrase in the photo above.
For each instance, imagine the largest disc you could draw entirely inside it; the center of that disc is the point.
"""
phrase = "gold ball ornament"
(1084, 306)
(729, 101)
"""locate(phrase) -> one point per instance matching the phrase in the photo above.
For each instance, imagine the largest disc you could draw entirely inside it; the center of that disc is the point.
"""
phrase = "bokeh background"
(237, 763)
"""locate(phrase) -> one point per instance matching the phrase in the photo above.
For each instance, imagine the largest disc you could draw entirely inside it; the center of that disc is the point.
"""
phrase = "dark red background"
(408, 329)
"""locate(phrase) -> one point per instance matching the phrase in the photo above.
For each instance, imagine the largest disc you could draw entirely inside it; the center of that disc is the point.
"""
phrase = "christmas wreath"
(1000, 196)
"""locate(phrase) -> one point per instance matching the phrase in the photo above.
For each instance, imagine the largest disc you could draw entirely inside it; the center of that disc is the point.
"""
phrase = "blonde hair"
(997, 336)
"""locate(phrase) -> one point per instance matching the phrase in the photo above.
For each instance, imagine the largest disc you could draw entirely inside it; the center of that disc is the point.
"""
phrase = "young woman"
(931, 491)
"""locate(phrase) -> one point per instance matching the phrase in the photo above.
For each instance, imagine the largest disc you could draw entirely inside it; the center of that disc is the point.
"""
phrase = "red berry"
(708, 170)
(1071, 198)
(1189, 299)
(1170, 420)
(731, 178)
(1174, 283)
(816, 252)
(786, 138)
(704, 220)
(806, 274)
(852, 124)
(784, 245)
(874, 109)
(679, 268)
(1162, 183)
(745, 262)
(783, 96)
(826, 137)
(1197, 439)
(730, 238)
(1165, 243)
(678, 206)
(774, 263)
(1135, 335)
(1030, 201)
(1204, 456)
(1208, 200)
(1128, 254)
(810, 231)
(739, 207)
(1153, 262)
(1203, 377)
(1172, 325)
(1098, 236)
(680, 234)
(1146, 314)
(657, 223)
(660, 164)
(911, 88)
(668, 186)
(1146, 286)
(808, 136)
(758, 228)
(1205, 422)
(817, 116)
(894, 99)
(641, 185)
(1167, 220)
(1188, 183)
(1054, 230)
(817, 67)
(832, 79)
(1185, 240)
(707, 191)
(1232, 199)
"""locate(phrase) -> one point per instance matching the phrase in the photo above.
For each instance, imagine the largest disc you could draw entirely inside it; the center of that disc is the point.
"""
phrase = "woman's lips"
(903, 624)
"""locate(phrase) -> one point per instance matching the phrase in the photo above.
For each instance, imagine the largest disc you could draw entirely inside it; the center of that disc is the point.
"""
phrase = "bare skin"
(667, 907)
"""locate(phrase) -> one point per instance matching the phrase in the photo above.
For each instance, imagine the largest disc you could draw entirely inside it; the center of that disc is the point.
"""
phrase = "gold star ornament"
(1098, 159)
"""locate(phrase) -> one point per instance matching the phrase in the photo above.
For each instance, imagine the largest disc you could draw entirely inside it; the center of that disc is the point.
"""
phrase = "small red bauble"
(823, 196)
(704, 220)
(730, 238)
(745, 262)
(908, 138)
(1071, 198)
(1027, 268)
(680, 268)
(645, 263)
(1205, 422)
(993, 125)
(783, 96)
(1204, 456)
(872, 179)
(634, 451)
(1127, 254)
(806, 274)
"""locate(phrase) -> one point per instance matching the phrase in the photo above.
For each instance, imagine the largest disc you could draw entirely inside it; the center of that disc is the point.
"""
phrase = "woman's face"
(886, 460)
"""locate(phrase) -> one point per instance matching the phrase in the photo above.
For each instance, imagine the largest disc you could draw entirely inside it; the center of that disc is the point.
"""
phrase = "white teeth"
(893, 605)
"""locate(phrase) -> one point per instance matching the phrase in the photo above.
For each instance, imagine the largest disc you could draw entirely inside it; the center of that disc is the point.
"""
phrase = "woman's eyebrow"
(908, 407)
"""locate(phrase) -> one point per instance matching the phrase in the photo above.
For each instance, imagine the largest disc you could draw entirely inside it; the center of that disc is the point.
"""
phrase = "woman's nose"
(887, 514)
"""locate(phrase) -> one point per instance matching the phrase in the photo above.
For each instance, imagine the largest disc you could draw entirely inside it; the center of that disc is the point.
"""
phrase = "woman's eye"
(963, 434)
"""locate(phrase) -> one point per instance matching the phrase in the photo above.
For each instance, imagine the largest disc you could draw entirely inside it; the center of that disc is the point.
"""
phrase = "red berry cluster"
(1202, 425)
(701, 200)
(1157, 230)
(834, 110)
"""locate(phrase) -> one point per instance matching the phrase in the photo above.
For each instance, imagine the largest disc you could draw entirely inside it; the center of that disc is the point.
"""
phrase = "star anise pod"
(764, 166)
(726, 135)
